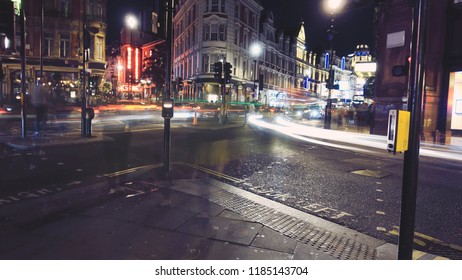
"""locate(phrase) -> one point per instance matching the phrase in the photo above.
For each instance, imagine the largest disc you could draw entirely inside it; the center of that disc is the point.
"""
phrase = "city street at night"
(352, 185)
(179, 131)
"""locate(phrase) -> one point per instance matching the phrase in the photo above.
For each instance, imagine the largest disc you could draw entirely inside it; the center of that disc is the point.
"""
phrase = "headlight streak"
(302, 132)
(293, 132)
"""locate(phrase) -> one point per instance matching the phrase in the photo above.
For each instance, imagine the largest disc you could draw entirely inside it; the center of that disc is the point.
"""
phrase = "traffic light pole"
(411, 156)
(22, 22)
(328, 111)
(224, 110)
(168, 83)
(83, 104)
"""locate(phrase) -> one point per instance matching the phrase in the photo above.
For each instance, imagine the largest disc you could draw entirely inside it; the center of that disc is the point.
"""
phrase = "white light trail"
(345, 140)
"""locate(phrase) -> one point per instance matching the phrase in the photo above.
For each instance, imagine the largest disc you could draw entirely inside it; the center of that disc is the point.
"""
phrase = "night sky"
(353, 26)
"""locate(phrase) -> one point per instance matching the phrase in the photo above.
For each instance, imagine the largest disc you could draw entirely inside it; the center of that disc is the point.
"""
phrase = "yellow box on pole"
(398, 131)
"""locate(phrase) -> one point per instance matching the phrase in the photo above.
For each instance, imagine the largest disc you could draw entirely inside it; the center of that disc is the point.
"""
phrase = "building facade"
(210, 31)
(442, 96)
(62, 46)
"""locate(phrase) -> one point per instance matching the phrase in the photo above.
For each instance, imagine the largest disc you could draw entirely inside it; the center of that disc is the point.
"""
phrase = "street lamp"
(255, 51)
(131, 22)
(332, 6)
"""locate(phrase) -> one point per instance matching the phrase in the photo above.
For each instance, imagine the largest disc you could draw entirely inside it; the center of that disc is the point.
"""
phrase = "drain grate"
(335, 245)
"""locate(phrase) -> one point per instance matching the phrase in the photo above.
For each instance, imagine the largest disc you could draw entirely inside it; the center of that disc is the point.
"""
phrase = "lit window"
(99, 48)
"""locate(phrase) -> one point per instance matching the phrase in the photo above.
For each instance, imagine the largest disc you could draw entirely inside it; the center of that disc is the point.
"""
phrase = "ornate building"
(209, 31)
(61, 43)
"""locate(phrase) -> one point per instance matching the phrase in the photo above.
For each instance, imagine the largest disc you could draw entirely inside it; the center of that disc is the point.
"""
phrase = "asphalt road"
(357, 190)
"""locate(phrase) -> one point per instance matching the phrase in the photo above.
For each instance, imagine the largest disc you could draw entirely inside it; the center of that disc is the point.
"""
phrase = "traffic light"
(228, 69)
(402, 70)
(180, 84)
(217, 68)
(368, 89)
(328, 83)
(92, 82)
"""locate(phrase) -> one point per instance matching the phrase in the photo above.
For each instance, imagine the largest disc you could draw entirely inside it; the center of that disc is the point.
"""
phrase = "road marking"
(24, 195)
(130, 170)
(381, 229)
(395, 231)
(213, 172)
(417, 254)
(380, 213)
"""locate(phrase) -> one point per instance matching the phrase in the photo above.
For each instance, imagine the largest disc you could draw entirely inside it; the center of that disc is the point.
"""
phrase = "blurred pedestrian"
(39, 100)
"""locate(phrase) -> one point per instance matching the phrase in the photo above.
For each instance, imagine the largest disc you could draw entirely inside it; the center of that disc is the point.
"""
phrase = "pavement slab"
(224, 229)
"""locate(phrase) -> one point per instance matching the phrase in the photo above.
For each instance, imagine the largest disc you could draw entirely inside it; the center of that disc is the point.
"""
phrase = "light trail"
(345, 140)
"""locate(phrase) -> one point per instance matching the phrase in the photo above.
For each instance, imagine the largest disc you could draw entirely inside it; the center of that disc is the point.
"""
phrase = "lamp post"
(332, 6)
(131, 22)
(255, 52)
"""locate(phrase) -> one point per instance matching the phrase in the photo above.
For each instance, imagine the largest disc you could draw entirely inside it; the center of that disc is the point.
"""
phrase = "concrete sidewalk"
(145, 218)
(135, 215)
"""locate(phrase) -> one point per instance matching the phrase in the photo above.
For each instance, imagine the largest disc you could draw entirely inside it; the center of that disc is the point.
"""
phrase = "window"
(215, 6)
(205, 63)
(64, 8)
(99, 48)
(194, 36)
(222, 33)
(48, 44)
(206, 32)
(214, 32)
(94, 10)
(64, 45)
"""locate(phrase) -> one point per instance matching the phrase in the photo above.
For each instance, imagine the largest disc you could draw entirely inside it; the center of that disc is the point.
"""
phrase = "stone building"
(61, 46)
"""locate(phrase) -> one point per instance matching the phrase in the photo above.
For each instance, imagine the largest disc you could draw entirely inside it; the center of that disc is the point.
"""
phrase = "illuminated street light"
(255, 51)
(332, 6)
(131, 22)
